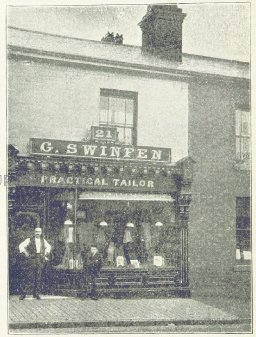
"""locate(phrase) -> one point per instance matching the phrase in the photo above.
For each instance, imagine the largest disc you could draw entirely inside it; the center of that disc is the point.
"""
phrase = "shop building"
(103, 142)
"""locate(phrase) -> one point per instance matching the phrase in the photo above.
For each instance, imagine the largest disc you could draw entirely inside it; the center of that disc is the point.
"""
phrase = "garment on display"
(128, 233)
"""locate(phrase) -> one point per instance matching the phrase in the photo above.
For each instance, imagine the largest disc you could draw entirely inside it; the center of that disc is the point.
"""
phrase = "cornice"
(73, 60)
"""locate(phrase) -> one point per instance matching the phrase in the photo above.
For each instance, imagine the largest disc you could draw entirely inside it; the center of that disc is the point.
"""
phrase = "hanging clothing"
(127, 236)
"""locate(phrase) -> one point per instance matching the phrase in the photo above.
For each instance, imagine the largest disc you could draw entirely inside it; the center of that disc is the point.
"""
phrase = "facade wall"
(216, 184)
(59, 102)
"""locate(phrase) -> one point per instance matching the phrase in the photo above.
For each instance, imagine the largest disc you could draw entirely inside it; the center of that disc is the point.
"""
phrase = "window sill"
(242, 268)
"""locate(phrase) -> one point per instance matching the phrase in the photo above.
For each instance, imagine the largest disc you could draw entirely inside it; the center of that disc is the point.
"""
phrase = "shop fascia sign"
(53, 147)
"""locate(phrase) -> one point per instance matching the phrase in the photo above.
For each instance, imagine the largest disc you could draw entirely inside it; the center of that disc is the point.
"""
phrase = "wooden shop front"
(131, 201)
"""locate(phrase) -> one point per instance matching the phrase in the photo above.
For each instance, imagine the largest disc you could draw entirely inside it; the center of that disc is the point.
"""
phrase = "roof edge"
(127, 45)
(63, 57)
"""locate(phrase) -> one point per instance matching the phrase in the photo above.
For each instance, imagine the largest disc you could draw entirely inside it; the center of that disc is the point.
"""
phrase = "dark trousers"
(31, 274)
(128, 250)
(90, 287)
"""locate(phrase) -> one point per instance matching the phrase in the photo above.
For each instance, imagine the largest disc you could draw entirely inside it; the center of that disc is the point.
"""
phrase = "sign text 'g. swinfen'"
(107, 151)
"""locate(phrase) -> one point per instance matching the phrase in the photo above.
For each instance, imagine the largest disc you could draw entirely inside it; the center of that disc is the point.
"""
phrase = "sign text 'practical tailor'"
(100, 182)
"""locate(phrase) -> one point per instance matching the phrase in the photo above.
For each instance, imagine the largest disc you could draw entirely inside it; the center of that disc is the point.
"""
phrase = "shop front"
(132, 203)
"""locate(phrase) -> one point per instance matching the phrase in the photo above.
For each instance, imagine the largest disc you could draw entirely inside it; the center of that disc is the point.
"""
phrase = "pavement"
(55, 312)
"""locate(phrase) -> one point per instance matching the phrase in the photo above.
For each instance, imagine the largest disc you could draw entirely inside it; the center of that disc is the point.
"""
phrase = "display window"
(129, 234)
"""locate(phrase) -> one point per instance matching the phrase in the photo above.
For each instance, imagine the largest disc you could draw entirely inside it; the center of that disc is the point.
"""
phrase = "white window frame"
(242, 158)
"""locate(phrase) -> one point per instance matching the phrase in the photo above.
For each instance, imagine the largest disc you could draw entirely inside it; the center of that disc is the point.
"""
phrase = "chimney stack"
(162, 31)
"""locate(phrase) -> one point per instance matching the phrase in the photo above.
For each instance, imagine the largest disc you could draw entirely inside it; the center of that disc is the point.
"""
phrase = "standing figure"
(101, 238)
(111, 253)
(128, 242)
(92, 267)
(34, 253)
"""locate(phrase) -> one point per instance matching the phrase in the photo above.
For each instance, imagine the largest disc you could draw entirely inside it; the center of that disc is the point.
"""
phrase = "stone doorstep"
(126, 323)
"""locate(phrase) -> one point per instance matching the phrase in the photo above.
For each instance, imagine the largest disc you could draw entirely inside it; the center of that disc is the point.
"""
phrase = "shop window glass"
(117, 109)
(243, 229)
(242, 136)
(128, 234)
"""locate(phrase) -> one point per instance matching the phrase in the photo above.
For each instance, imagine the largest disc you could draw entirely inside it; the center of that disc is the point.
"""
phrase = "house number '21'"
(104, 133)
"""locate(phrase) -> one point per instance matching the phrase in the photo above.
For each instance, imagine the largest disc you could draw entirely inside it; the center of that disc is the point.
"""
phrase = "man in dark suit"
(92, 267)
(34, 252)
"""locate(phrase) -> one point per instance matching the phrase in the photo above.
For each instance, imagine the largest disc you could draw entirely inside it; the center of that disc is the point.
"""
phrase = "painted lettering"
(142, 153)
(156, 154)
(123, 183)
(89, 181)
(103, 151)
(115, 151)
(150, 184)
(61, 180)
(70, 180)
(44, 179)
(89, 149)
(134, 183)
(97, 182)
(52, 179)
(128, 151)
(77, 180)
(71, 148)
(108, 134)
(116, 181)
(104, 183)
(46, 147)
(99, 134)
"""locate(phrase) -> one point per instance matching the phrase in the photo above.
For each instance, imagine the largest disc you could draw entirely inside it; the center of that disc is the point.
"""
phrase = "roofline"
(128, 45)
(105, 64)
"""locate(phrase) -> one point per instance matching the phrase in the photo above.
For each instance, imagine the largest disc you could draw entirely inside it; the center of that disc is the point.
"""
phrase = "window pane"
(125, 135)
(103, 109)
(244, 240)
(129, 111)
(104, 116)
(238, 148)
(243, 230)
(243, 223)
(120, 134)
(128, 136)
(242, 123)
(103, 103)
(117, 110)
(245, 123)
(238, 123)
(243, 207)
(245, 149)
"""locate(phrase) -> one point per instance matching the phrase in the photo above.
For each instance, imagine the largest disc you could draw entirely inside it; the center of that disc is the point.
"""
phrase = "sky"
(211, 29)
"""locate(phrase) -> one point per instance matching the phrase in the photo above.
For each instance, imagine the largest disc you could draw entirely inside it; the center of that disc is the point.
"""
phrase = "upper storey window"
(243, 137)
(119, 109)
(243, 229)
